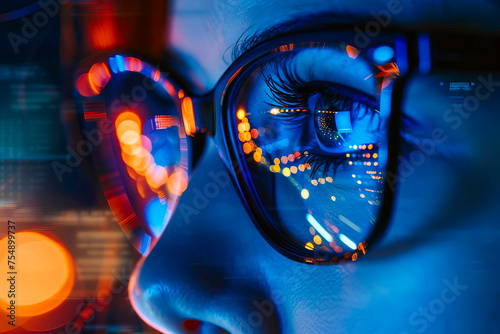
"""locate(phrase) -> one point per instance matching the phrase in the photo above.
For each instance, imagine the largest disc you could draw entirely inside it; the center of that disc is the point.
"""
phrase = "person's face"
(433, 271)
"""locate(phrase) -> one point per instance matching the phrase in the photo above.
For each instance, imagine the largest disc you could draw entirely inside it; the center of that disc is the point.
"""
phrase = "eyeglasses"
(307, 125)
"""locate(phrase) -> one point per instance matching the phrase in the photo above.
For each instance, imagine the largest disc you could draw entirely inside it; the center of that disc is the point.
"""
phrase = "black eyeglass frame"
(226, 137)
(422, 52)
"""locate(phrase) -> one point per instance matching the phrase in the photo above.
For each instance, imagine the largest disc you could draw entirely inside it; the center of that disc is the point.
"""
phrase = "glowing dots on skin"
(321, 180)
(333, 198)
(353, 175)
(347, 242)
(329, 179)
(276, 161)
(317, 240)
(304, 193)
(370, 146)
(359, 181)
(240, 114)
(309, 246)
(314, 223)
(362, 195)
(254, 133)
(375, 155)
(302, 167)
(286, 172)
(293, 169)
(314, 182)
(312, 230)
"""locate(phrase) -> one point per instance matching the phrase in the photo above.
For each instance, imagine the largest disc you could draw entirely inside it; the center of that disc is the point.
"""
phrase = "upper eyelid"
(347, 92)
(283, 77)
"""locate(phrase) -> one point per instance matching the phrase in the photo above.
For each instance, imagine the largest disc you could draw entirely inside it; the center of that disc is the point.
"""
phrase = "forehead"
(205, 31)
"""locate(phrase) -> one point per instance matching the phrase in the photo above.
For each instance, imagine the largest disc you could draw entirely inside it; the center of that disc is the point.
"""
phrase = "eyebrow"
(309, 23)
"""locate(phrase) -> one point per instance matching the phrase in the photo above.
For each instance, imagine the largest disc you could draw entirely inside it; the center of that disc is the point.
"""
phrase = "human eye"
(317, 144)
(330, 114)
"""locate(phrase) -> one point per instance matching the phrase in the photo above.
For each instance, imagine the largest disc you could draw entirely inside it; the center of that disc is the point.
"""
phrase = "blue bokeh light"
(383, 54)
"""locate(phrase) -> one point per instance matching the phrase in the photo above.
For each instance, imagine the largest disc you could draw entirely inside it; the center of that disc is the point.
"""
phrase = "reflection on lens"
(310, 128)
(144, 164)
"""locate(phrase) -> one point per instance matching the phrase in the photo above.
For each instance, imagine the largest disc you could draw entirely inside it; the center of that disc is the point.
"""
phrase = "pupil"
(332, 126)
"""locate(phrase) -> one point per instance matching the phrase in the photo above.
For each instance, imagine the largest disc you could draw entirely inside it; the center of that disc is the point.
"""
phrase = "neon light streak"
(319, 228)
(347, 241)
(349, 223)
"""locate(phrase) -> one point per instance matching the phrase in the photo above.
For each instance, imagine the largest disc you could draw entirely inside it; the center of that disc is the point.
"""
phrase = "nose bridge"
(195, 262)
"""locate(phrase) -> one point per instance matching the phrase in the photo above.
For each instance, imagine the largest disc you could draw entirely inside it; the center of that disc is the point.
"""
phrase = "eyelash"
(289, 91)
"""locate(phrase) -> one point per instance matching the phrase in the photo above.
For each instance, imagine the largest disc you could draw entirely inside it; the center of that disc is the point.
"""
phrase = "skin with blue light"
(433, 272)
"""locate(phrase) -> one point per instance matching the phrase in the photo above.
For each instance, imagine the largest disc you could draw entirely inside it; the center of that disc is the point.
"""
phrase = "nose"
(204, 274)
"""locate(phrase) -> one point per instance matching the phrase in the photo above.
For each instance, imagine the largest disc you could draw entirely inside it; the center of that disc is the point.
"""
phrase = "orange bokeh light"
(352, 51)
(156, 176)
(45, 274)
(178, 182)
(130, 137)
(99, 76)
(128, 116)
(132, 64)
(247, 148)
(188, 116)
(125, 126)
(83, 85)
